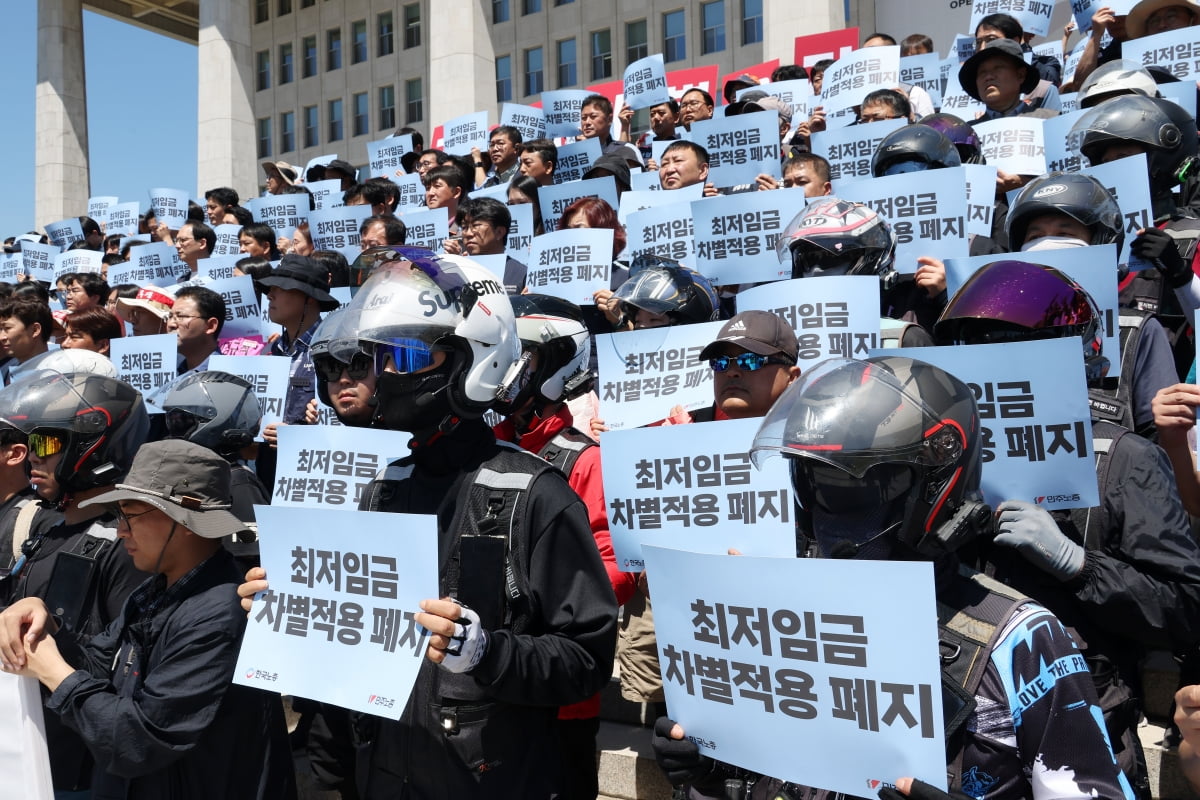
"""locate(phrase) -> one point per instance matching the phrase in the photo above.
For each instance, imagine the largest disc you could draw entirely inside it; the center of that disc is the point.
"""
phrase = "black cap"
(303, 274)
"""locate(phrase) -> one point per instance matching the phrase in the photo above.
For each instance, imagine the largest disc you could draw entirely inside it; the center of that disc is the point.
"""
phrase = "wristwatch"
(480, 165)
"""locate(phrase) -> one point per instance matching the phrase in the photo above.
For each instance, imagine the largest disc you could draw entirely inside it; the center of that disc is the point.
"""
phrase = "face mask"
(1052, 243)
(859, 535)
(413, 402)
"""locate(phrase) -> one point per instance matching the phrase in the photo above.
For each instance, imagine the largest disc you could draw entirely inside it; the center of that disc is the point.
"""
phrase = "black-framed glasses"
(747, 362)
(330, 369)
(123, 518)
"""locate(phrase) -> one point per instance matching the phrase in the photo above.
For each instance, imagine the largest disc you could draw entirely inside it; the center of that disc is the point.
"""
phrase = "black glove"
(920, 791)
(680, 759)
(1155, 246)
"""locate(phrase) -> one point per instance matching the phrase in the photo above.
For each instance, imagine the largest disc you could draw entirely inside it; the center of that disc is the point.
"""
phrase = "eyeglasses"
(179, 317)
(692, 104)
(747, 362)
(406, 355)
(46, 444)
(181, 240)
(124, 518)
(330, 369)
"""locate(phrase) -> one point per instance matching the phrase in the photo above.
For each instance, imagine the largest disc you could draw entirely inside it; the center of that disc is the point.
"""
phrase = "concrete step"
(628, 770)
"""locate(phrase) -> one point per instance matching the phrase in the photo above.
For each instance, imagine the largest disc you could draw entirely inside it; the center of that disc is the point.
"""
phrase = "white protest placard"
(335, 228)
(981, 197)
(344, 585)
(1062, 148)
(1082, 11)
(636, 200)
(1013, 144)
(268, 375)
(735, 235)
(10, 267)
(241, 307)
(147, 363)
(530, 121)
(1034, 15)
(64, 233)
(326, 194)
(24, 760)
(924, 70)
(466, 132)
(849, 150)
(122, 219)
(520, 232)
(283, 212)
(157, 263)
(825, 657)
(928, 214)
(1177, 51)
(383, 156)
(1128, 180)
(555, 199)
(37, 260)
(1094, 268)
(329, 466)
(561, 110)
(571, 263)
(644, 181)
(662, 230)
(693, 487)
(1180, 94)
(77, 261)
(217, 267)
(227, 240)
(412, 193)
(836, 316)
(170, 206)
(428, 229)
(848, 80)
(1035, 421)
(956, 101)
(98, 207)
(962, 48)
(644, 373)
(575, 159)
(645, 82)
(740, 148)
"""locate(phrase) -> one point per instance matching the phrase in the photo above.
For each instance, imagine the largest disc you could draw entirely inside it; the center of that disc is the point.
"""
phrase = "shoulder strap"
(1090, 522)
(1114, 401)
(891, 332)
(23, 524)
(972, 610)
(565, 448)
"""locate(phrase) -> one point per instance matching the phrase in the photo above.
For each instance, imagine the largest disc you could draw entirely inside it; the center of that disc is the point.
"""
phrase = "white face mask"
(1052, 243)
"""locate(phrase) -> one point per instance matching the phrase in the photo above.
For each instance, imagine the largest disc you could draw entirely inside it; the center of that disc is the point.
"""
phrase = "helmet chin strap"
(166, 544)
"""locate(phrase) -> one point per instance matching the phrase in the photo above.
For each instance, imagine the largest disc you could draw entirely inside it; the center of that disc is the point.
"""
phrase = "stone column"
(226, 144)
(62, 183)
(784, 20)
(462, 61)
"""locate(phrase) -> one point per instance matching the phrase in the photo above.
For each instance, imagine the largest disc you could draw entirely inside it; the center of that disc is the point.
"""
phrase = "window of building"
(358, 42)
(534, 80)
(362, 113)
(531, 6)
(566, 63)
(333, 49)
(601, 54)
(636, 44)
(287, 131)
(312, 127)
(262, 11)
(335, 121)
(563, 2)
(412, 26)
(264, 137)
(308, 48)
(386, 26)
(500, 11)
(414, 107)
(307, 3)
(752, 21)
(286, 63)
(674, 37)
(387, 108)
(712, 27)
(262, 70)
(285, 7)
(504, 88)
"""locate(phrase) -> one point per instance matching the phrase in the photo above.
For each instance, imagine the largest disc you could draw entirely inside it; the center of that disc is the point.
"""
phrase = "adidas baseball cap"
(759, 332)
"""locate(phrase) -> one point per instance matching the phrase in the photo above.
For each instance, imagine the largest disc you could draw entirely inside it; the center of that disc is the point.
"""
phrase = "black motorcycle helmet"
(1165, 130)
(914, 148)
(665, 286)
(99, 424)
(1008, 301)
(884, 452)
(213, 409)
(837, 237)
(966, 141)
(1079, 196)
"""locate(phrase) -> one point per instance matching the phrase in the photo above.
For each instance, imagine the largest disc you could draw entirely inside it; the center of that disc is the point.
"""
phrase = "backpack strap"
(1114, 401)
(23, 524)
(1090, 522)
(565, 448)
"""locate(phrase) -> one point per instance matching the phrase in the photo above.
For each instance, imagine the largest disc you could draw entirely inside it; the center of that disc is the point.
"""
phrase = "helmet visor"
(1017, 294)
(654, 287)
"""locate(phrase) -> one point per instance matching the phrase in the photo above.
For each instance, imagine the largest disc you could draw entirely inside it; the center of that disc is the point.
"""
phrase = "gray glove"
(468, 644)
(1034, 534)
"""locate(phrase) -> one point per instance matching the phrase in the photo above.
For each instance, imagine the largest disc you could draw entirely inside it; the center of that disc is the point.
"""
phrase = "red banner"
(831, 44)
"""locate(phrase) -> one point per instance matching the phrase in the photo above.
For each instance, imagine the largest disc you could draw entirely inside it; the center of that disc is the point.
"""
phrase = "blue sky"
(141, 93)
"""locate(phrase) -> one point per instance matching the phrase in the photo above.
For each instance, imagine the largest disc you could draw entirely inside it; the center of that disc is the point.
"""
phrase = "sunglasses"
(46, 444)
(406, 355)
(747, 362)
(330, 369)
